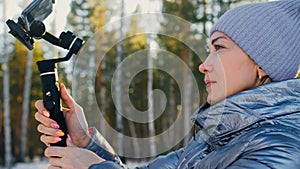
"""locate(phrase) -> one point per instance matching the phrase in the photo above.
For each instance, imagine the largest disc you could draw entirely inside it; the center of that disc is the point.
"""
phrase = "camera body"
(30, 23)
(37, 10)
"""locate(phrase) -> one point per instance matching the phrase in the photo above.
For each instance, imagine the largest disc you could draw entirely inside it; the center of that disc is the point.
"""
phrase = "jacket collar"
(237, 112)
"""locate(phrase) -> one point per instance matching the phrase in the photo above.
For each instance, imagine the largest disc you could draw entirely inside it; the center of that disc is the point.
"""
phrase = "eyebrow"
(217, 38)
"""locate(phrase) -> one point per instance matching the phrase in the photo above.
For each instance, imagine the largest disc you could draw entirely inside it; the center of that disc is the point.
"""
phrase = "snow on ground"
(45, 164)
(40, 165)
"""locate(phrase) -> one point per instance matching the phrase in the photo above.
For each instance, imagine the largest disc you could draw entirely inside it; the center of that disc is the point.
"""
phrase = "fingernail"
(69, 138)
(46, 113)
(55, 125)
(57, 139)
(60, 133)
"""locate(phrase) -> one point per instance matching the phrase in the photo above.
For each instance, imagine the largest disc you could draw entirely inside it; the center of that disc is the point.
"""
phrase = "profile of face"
(228, 69)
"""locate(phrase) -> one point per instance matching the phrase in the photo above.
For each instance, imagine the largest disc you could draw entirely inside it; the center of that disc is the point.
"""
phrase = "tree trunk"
(187, 92)
(135, 143)
(103, 102)
(118, 85)
(151, 119)
(7, 127)
(188, 87)
(172, 109)
(26, 103)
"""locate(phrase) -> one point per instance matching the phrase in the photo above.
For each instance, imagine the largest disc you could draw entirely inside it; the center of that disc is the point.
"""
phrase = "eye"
(218, 47)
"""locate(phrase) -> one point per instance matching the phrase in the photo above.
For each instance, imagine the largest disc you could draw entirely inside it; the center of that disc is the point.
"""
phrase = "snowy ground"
(37, 165)
(44, 165)
(40, 165)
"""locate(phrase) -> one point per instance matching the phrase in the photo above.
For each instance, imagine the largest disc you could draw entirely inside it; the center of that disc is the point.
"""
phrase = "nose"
(202, 68)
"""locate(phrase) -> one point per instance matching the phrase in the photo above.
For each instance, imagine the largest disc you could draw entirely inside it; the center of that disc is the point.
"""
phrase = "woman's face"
(228, 69)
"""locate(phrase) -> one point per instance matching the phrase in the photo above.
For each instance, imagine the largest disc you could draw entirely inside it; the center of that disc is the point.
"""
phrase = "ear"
(260, 72)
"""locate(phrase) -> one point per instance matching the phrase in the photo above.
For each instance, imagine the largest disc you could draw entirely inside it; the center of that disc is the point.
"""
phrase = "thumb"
(66, 97)
(69, 142)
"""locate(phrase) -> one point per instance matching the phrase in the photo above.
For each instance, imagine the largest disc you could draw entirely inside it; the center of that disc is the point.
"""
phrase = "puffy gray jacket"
(257, 129)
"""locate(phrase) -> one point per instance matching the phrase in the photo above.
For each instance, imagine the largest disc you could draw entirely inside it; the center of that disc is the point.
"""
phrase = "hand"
(75, 120)
(71, 157)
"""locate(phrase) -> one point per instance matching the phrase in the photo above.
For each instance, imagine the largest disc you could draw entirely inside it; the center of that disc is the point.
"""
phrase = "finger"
(47, 140)
(55, 151)
(54, 167)
(40, 107)
(50, 131)
(55, 162)
(66, 97)
(46, 121)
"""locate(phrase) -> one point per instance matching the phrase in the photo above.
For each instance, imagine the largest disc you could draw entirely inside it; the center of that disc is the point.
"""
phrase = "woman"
(252, 115)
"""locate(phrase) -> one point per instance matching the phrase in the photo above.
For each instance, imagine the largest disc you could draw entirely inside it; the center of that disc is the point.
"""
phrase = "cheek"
(239, 78)
(219, 90)
(239, 75)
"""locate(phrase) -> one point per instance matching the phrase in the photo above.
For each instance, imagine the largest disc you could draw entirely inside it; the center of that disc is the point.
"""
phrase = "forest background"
(20, 82)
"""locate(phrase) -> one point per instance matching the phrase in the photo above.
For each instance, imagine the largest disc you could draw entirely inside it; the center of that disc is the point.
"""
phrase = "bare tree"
(187, 102)
(7, 127)
(151, 119)
(118, 84)
(26, 103)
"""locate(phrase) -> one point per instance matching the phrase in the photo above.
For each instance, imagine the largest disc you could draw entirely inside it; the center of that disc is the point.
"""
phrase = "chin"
(210, 101)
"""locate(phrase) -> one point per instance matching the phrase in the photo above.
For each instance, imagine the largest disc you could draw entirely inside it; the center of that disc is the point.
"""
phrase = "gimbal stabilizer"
(30, 27)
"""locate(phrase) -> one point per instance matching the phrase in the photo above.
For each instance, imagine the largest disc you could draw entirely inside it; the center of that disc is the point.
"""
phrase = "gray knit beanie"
(269, 33)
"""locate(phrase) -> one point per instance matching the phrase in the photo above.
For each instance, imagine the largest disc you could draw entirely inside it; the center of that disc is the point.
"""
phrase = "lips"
(209, 83)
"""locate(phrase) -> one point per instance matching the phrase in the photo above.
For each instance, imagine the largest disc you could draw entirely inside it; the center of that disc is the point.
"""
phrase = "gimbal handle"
(51, 89)
(51, 96)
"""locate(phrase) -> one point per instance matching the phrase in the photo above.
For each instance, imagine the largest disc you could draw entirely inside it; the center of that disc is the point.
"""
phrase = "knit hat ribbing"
(269, 33)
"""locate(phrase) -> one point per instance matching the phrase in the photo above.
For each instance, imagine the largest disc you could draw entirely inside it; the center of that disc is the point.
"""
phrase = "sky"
(61, 9)
(58, 17)
(13, 11)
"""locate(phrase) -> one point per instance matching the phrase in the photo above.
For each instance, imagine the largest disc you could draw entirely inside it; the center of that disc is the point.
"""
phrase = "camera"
(30, 23)
(38, 10)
